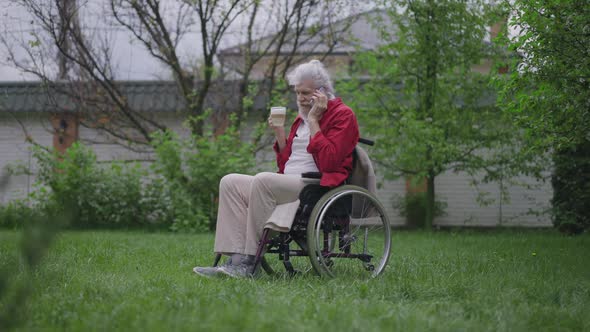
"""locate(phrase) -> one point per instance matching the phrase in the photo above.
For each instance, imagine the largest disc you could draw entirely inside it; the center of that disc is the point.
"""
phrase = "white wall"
(14, 149)
(107, 152)
(463, 208)
(454, 189)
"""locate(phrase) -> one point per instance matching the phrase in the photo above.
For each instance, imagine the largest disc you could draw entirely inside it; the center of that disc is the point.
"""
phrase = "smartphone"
(322, 90)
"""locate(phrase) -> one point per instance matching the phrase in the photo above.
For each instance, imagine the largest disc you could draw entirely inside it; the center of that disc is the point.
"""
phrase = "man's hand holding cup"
(276, 121)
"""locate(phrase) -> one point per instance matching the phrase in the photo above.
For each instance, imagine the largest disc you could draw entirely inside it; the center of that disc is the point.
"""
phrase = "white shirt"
(300, 160)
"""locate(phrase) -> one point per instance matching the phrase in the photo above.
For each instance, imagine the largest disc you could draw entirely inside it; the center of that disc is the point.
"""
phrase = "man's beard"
(303, 110)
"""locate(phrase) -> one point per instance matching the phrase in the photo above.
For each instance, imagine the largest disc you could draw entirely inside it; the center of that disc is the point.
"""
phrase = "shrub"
(413, 207)
(96, 195)
(192, 169)
(180, 192)
(16, 213)
(571, 189)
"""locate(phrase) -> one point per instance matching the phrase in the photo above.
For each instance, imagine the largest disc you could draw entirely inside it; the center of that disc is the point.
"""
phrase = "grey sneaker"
(206, 271)
(237, 271)
(210, 271)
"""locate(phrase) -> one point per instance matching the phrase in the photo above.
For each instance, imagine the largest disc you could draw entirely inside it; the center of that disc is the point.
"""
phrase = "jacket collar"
(333, 103)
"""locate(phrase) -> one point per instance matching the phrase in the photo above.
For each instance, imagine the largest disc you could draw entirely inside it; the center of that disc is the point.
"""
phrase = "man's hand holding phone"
(319, 104)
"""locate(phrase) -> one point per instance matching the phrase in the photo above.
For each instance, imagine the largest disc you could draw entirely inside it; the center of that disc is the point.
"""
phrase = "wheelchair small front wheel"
(349, 233)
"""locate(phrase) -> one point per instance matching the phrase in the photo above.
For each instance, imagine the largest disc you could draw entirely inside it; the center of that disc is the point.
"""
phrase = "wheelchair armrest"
(311, 175)
(366, 141)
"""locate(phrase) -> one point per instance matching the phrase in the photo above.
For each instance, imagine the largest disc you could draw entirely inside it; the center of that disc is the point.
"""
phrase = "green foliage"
(439, 111)
(38, 232)
(548, 88)
(109, 195)
(571, 189)
(429, 111)
(413, 207)
(192, 168)
(547, 92)
(15, 212)
(180, 192)
(280, 93)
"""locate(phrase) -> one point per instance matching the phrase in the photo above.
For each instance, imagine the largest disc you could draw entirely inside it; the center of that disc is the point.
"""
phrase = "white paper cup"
(277, 115)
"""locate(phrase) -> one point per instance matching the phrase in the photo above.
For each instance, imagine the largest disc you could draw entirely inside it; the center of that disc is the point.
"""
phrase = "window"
(65, 130)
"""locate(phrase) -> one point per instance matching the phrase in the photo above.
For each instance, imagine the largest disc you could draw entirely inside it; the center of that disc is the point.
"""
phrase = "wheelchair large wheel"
(348, 233)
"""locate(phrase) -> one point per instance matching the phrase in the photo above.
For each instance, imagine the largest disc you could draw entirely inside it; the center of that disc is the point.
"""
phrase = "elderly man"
(322, 139)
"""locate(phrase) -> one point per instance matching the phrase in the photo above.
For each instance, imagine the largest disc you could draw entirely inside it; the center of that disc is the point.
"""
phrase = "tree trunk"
(243, 93)
(197, 121)
(430, 207)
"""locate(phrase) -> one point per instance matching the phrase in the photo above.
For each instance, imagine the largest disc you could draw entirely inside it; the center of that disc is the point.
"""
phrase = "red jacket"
(331, 147)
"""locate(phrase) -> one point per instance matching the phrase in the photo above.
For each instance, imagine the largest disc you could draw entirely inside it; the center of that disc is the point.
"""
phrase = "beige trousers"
(245, 204)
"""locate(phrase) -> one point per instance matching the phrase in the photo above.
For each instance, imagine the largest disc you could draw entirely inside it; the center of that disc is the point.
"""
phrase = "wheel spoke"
(363, 242)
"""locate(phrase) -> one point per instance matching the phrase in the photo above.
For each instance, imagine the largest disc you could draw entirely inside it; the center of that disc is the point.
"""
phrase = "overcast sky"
(131, 60)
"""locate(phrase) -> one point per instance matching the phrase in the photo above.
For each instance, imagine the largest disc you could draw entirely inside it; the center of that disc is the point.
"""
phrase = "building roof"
(143, 96)
(35, 96)
(360, 34)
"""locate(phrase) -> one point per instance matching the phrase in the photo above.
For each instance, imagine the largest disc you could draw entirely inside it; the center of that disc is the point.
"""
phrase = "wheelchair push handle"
(366, 141)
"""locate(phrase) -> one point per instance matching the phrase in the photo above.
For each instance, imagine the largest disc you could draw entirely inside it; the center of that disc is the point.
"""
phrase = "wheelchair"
(342, 230)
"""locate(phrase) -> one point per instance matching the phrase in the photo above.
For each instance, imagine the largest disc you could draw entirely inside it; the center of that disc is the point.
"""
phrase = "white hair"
(314, 71)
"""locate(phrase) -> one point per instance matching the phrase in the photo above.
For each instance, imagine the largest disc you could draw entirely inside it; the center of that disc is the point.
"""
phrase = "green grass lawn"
(442, 281)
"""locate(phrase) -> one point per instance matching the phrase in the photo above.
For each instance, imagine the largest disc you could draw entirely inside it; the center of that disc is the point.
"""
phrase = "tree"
(84, 56)
(548, 94)
(429, 111)
(294, 27)
(146, 21)
(292, 32)
(85, 74)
